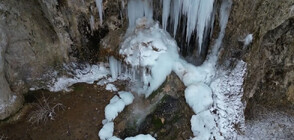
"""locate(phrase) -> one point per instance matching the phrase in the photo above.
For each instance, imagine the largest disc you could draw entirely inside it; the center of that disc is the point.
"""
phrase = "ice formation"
(137, 9)
(88, 74)
(116, 105)
(115, 67)
(150, 54)
(199, 14)
(107, 131)
(248, 39)
(99, 6)
(165, 13)
(141, 137)
(111, 87)
(151, 50)
(228, 91)
(92, 22)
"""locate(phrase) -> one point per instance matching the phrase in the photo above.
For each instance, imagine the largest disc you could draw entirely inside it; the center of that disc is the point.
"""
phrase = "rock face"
(39, 35)
(270, 74)
(9, 103)
(31, 47)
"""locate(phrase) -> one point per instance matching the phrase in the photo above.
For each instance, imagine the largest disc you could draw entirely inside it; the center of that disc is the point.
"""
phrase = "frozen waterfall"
(199, 15)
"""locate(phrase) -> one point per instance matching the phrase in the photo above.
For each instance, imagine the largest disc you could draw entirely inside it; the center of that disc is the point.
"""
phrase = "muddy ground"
(79, 118)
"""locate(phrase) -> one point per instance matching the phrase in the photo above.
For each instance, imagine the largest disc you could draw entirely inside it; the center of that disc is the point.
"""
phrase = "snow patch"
(248, 39)
(88, 74)
(203, 125)
(127, 97)
(116, 105)
(111, 87)
(141, 137)
(227, 90)
(199, 97)
(107, 131)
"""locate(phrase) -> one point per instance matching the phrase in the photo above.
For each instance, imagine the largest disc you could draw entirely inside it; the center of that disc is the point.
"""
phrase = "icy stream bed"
(150, 54)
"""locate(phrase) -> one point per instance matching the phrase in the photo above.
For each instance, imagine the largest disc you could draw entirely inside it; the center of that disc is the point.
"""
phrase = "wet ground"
(78, 118)
(79, 114)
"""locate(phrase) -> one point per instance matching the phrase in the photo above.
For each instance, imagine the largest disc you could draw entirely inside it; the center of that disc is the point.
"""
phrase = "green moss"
(156, 122)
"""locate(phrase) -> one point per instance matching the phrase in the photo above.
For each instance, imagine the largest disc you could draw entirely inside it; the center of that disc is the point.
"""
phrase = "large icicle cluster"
(138, 9)
(199, 15)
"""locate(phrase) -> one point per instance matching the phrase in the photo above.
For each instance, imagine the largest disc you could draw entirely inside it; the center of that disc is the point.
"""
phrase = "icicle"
(199, 15)
(192, 15)
(92, 23)
(204, 16)
(100, 9)
(175, 14)
(223, 18)
(114, 67)
(165, 13)
(138, 9)
(123, 4)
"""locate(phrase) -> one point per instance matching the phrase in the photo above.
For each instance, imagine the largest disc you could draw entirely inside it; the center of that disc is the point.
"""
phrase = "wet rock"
(274, 86)
(269, 57)
(170, 120)
(165, 114)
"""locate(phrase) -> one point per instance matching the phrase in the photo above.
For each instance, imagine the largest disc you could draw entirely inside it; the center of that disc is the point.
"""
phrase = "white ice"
(203, 125)
(99, 6)
(116, 105)
(199, 15)
(111, 87)
(107, 131)
(127, 97)
(199, 97)
(89, 74)
(92, 22)
(248, 39)
(138, 9)
(115, 67)
(150, 48)
(141, 137)
(165, 13)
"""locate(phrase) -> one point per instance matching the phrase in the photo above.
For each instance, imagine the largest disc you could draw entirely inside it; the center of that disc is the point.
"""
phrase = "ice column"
(100, 9)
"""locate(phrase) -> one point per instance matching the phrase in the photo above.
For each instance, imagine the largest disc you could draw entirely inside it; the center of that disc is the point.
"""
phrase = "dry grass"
(44, 110)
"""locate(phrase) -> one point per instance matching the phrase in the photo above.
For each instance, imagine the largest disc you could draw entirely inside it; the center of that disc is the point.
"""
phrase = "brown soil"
(81, 118)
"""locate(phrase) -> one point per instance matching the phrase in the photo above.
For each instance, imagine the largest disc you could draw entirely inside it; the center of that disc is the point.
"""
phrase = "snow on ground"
(270, 124)
(111, 87)
(228, 92)
(88, 74)
(107, 131)
(248, 39)
(116, 105)
(199, 97)
(141, 137)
